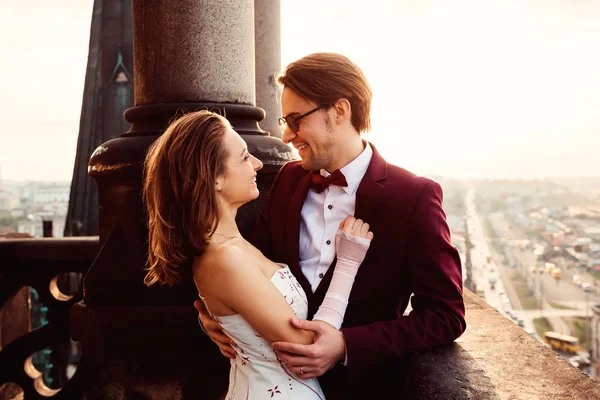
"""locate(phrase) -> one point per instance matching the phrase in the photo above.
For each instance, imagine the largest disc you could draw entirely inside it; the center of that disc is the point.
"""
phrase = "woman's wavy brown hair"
(180, 173)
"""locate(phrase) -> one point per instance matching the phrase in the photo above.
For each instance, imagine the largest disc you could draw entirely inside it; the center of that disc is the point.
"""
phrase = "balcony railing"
(38, 264)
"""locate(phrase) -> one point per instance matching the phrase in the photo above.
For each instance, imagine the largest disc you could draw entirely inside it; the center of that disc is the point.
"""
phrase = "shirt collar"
(355, 170)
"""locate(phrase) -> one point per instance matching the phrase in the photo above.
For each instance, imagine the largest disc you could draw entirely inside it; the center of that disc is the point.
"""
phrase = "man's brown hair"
(324, 78)
(179, 183)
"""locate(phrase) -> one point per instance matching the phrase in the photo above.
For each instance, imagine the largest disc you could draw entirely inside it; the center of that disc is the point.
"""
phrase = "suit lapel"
(370, 191)
(293, 231)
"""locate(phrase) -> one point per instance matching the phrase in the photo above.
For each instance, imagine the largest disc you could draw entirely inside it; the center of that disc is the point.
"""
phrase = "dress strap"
(205, 305)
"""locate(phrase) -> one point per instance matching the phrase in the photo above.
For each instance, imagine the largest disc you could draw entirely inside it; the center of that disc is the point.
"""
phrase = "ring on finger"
(301, 372)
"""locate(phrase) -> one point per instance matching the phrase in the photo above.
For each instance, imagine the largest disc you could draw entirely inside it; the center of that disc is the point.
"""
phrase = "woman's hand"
(356, 227)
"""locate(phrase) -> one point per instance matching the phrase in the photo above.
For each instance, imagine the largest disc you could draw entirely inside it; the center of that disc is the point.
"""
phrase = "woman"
(197, 175)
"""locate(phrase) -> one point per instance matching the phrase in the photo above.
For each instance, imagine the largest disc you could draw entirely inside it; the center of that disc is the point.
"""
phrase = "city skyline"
(473, 90)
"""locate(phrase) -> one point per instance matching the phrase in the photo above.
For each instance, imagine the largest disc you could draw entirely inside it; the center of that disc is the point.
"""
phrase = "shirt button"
(321, 276)
(330, 206)
(328, 242)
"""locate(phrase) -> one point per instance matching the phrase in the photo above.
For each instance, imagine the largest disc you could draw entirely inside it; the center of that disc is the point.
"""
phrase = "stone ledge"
(504, 362)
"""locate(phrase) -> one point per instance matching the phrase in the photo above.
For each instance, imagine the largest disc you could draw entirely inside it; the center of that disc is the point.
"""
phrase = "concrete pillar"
(194, 51)
(267, 32)
(146, 342)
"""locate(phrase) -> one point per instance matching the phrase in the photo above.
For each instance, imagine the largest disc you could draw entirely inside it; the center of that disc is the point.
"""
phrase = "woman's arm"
(245, 289)
(352, 241)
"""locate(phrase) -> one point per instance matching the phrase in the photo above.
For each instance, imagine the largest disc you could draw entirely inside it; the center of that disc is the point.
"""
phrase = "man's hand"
(214, 331)
(328, 349)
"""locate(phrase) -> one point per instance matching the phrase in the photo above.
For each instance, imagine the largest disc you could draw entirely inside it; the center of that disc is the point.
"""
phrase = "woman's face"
(238, 183)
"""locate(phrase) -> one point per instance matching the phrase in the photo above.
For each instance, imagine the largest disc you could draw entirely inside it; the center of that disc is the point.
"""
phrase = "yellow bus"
(565, 343)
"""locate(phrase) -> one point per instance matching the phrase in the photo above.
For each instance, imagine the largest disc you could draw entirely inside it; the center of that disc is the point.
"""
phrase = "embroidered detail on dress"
(245, 359)
(297, 286)
(274, 390)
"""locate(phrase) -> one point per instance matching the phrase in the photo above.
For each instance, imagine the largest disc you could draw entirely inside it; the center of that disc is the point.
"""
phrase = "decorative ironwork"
(37, 263)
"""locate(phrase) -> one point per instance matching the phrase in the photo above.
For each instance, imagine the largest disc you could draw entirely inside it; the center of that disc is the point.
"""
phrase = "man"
(326, 104)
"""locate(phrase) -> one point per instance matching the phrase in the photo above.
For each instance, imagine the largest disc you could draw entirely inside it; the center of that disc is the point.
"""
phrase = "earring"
(218, 188)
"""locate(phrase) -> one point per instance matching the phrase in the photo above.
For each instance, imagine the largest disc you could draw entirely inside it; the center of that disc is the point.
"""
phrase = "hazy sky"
(471, 88)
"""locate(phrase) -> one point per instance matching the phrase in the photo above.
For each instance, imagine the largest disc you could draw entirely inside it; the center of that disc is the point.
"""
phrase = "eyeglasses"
(292, 122)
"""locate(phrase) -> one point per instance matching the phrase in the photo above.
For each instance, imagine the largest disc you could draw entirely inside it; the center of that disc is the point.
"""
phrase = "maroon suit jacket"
(411, 253)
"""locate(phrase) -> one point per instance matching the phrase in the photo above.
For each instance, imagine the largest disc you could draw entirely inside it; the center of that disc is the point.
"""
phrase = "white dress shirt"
(321, 216)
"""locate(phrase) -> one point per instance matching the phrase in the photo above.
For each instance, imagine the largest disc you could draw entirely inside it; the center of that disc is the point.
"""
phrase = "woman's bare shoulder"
(223, 258)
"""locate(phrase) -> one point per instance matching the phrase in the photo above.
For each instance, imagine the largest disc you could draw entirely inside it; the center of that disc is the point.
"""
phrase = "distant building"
(31, 227)
(522, 221)
(34, 226)
(538, 221)
(593, 232)
(558, 239)
(17, 212)
(582, 245)
(594, 264)
(45, 193)
(551, 227)
(8, 201)
(595, 254)
(26, 192)
(51, 193)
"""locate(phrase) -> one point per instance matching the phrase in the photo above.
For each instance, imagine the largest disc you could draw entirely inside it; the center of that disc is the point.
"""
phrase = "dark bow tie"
(319, 182)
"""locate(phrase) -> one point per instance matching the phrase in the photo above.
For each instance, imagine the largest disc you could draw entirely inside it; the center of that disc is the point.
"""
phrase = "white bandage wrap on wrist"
(351, 252)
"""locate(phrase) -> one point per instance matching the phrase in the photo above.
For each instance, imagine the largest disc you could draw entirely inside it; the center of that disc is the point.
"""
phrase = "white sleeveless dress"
(256, 373)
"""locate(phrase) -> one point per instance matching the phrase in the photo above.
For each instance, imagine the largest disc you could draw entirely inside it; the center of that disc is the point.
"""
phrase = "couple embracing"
(310, 305)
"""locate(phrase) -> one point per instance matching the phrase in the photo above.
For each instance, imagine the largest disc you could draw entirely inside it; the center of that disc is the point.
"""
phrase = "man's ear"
(343, 111)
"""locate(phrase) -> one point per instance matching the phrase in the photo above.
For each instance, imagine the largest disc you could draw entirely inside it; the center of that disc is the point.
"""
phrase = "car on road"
(586, 287)
(548, 267)
(579, 361)
(520, 322)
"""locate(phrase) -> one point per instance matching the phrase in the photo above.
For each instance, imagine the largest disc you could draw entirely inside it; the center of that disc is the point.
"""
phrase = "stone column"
(146, 342)
(267, 31)
(194, 51)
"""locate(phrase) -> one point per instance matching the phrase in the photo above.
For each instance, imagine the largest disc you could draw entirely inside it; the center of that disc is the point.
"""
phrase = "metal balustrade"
(37, 264)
